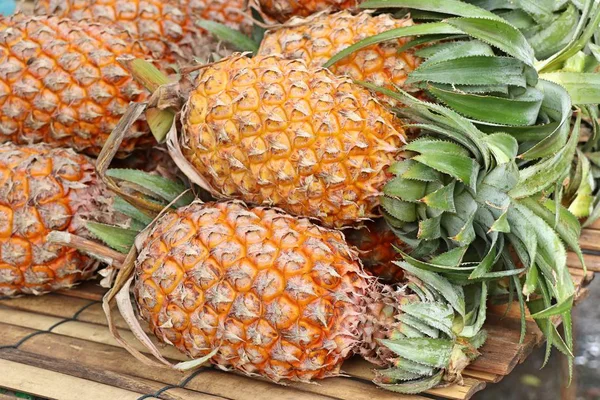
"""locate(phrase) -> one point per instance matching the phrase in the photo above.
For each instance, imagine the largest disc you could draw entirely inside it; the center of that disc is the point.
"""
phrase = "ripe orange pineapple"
(44, 190)
(60, 83)
(166, 28)
(377, 244)
(278, 296)
(275, 132)
(315, 40)
(282, 10)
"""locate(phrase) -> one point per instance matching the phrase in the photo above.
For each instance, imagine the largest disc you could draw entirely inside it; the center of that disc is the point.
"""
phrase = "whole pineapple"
(282, 10)
(272, 131)
(44, 190)
(276, 296)
(315, 40)
(377, 244)
(166, 28)
(61, 83)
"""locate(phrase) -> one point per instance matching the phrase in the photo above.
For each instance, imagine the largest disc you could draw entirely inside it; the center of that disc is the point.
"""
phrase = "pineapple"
(275, 132)
(377, 244)
(166, 28)
(60, 83)
(282, 10)
(286, 299)
(44, 190)
(317, 39)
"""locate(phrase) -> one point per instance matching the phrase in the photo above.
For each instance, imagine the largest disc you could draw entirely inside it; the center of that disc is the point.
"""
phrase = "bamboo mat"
(58, 346)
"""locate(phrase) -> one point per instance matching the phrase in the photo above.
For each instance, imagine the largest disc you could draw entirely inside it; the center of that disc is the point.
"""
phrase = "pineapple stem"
(145, 73)
(90, 247)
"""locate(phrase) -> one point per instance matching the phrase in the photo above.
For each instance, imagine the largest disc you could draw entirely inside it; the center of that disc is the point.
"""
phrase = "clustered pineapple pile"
(360, 179)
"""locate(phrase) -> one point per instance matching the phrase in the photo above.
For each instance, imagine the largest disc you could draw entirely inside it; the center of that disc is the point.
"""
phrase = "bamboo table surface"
(58, 346)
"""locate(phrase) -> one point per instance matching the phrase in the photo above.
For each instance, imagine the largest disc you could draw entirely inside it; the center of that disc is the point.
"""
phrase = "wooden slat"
(92, 333)
(465, 391)
(111, 363)
(50, 384)
(352, 389)
(52, 305)
(595, 225)
(592, 261)
(65, 307)
(80, 370)
(590, 239)
(76, 329)
(90, 290)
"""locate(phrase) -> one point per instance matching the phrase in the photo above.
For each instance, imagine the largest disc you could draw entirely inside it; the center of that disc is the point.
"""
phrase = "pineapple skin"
(277, 295)
(61, 83)
(43, 190)
(315, 40)
(166, 29)
(271, 131)
(376, 244)
(282, 10)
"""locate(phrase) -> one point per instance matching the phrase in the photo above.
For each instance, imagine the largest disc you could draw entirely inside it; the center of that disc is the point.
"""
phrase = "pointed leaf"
(413, 387)
(555, 35)
(435, 28)
(165, 188)
(125, 208)
(422, 172)
(117, 238)
(229, 35)
(452, 7)
(429, 228)
(465, 169)
(453, 294)
(583, 88)
(407, 190)
(437, 315)
(442, 199)
(521, 110)
(545, 173)
(498, 33)
(451, 258)
(401, 210)
(427, 351)
(474, 70)
(427, 144)
(504, 147)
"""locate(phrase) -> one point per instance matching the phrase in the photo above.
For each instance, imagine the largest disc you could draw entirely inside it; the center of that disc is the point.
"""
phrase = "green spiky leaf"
(583, 88)
(427, 351)
(498, 33)
(166, 189)
(474, 70)
(229, 35)
(520, 110)
(119, 239)
(413, 387)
